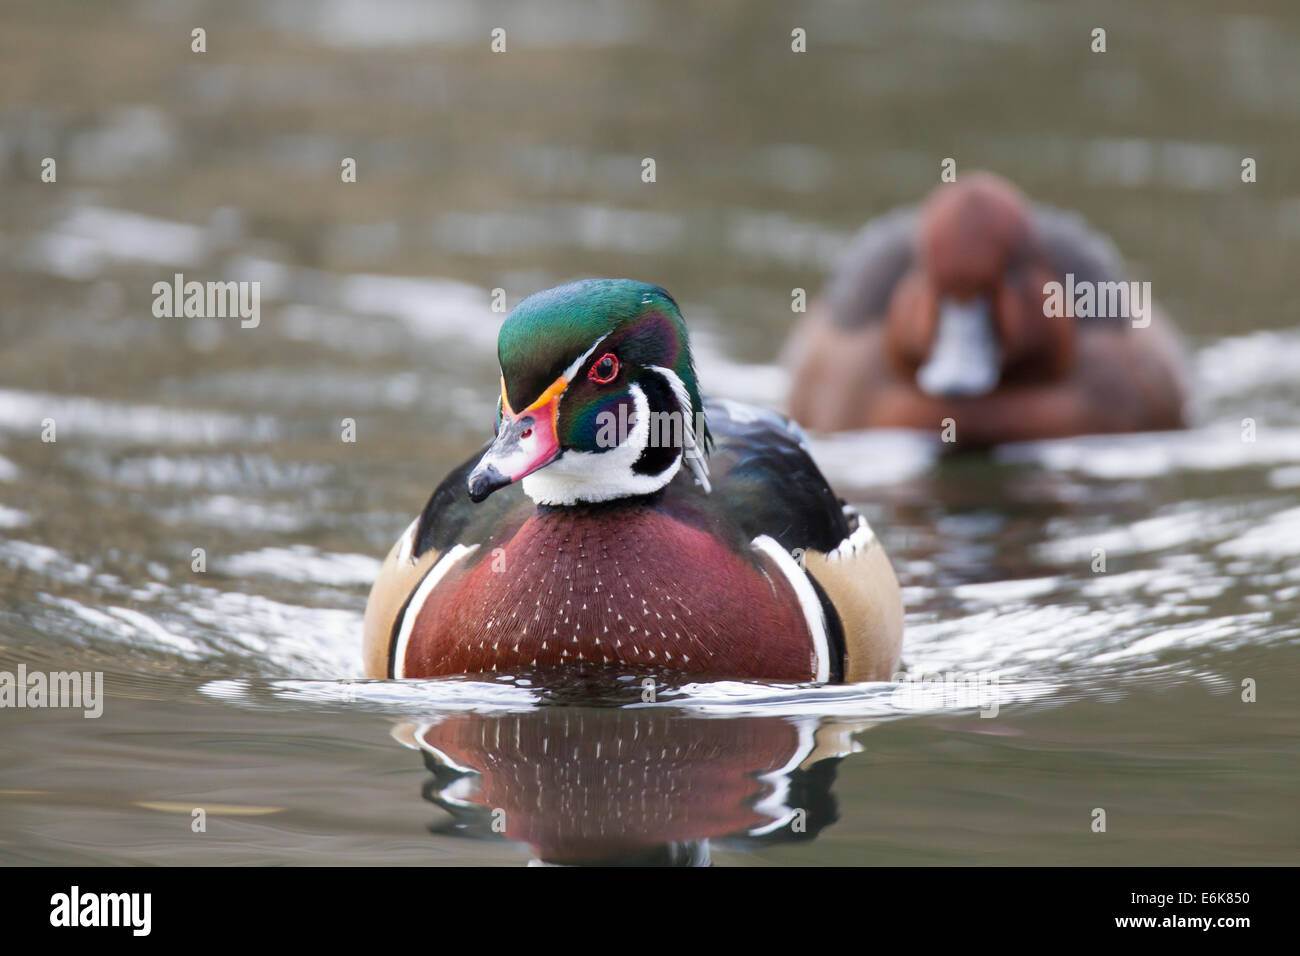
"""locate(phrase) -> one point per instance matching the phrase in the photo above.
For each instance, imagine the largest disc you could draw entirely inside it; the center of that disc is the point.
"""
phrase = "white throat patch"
(594, 476)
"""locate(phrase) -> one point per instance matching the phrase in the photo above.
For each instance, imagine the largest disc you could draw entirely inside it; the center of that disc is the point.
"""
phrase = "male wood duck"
(619, 521)
(944, 312)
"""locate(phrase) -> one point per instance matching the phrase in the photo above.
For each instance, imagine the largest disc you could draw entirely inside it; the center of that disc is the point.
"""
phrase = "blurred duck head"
(969, 315)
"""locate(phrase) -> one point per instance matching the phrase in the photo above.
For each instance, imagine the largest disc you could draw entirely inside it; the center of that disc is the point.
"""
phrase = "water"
(235, 690)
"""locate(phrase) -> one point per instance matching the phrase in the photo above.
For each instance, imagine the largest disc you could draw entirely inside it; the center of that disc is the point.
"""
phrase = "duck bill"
(525, 442)
(966, 359)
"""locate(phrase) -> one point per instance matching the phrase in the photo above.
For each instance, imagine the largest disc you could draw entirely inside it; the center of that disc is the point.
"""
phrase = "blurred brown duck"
(947, 311)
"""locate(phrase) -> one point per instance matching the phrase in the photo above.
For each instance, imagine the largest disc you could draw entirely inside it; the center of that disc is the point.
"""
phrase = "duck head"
(598, 396)
(969, 314)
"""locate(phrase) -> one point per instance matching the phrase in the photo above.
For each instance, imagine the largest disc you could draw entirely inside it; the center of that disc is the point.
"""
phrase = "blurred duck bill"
(966, 358)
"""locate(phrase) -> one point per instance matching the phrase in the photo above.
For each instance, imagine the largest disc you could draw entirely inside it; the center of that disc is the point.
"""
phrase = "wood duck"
(618, 520)
(950, 312)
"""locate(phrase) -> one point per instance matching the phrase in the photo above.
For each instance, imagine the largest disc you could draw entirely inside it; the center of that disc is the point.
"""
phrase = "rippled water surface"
(237, 689)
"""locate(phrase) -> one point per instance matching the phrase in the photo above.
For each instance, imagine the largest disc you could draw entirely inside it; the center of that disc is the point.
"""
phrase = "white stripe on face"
(572, 370)
(693, 453)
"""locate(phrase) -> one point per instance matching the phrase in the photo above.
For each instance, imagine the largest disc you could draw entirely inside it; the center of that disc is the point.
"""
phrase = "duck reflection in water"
(631, 786)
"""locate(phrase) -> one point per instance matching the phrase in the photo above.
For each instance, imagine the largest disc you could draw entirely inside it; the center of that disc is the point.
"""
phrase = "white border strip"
(811, 605)
(436, 574)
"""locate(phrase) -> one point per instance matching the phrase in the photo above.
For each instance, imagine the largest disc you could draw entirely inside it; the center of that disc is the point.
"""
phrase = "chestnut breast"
(628, 587)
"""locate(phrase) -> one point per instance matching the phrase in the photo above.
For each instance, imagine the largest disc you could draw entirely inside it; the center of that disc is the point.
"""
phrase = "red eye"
(605, 369)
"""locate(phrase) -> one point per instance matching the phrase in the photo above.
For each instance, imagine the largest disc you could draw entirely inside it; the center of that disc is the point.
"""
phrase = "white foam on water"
(718, 699)
(1000, 592)
(90, 238)
(1288, 477)
(364, 24)
(1152, 454)
(414, 696)
(13, 518)
(42, 559)
(1277, 536)
(276, 637)
(591, 226)
(82, 417)
(434, 309)
(303, 563)
(774, 237)
(226, 471)
(236, 513)
(129, 140)
(1244, 365)
(1181, 525)
(864, 459)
